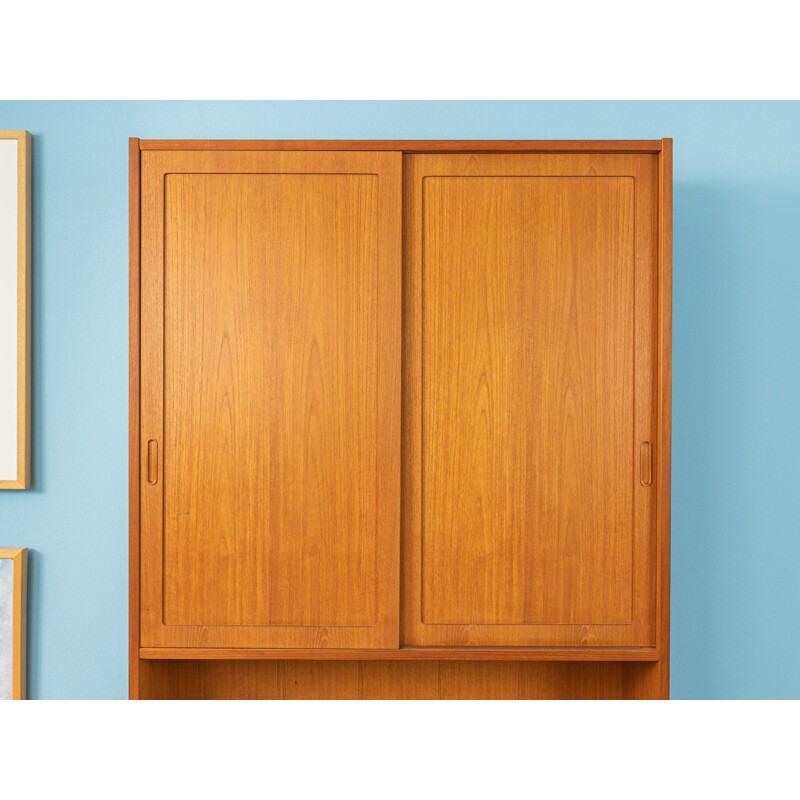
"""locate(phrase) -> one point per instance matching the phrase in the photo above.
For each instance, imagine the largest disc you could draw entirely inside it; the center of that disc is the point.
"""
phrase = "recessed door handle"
(646, 464)
(152, 462)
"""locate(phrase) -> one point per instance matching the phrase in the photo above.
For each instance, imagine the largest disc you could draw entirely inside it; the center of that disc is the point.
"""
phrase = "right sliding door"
(530, 386)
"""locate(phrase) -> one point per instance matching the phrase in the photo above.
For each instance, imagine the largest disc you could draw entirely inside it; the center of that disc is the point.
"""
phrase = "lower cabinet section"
(397, 680)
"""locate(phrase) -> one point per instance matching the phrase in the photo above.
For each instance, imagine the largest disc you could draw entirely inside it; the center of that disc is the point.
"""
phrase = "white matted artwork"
(15, 180)
(13, 597)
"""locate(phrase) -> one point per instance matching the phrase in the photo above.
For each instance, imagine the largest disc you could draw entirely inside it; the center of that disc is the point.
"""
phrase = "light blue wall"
(736, 461)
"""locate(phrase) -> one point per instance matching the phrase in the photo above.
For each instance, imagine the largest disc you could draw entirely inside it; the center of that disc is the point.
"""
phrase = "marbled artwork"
(6, 628)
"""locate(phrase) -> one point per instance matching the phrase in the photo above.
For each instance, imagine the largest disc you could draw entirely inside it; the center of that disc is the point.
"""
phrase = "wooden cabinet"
(316, 325)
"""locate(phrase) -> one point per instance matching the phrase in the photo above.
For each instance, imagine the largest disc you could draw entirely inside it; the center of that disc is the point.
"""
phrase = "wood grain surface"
(394, 680)
(134, 427)
(664, 400)
(414, 145)
(408, 654)
(529, 313)
(519, 396)
(270, 355)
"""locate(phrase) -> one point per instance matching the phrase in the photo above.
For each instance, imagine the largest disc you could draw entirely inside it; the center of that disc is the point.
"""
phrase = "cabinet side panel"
(665, 406)
(134, 232)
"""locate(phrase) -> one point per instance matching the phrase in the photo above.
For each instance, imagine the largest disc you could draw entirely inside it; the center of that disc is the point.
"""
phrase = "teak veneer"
(412, 654)
(400, 419)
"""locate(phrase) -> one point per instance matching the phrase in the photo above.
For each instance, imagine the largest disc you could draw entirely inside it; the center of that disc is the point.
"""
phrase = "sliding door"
(270, 399)
(529, 400)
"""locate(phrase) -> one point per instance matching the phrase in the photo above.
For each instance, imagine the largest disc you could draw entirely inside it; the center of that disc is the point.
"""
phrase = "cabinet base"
(396, 680)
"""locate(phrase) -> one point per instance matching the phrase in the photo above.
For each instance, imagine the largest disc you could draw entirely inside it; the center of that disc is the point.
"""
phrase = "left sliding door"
(270, 399)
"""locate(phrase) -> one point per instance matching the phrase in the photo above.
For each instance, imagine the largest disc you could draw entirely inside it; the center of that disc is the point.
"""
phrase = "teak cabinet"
(400, 419)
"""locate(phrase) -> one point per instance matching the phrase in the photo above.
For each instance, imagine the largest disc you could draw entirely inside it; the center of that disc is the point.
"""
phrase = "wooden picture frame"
(15, 303)
(13, 621)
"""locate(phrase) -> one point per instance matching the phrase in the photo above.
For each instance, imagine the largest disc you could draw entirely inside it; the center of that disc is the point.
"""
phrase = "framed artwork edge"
(19, 555)
(23, 479)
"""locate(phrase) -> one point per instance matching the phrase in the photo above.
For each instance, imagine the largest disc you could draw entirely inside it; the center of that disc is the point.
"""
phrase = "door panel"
(271, 389)
(529, 343)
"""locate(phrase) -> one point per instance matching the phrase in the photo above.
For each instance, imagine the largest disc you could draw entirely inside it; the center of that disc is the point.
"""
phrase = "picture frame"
(15, 305)
(13, 622)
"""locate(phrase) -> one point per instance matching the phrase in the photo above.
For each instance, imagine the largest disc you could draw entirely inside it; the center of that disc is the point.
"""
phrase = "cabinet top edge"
(412, 146)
